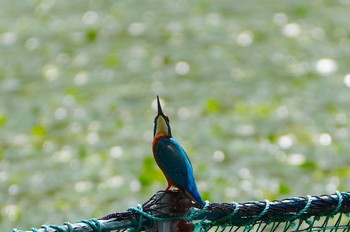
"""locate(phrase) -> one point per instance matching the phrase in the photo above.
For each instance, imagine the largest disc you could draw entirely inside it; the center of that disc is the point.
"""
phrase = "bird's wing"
(174, 162)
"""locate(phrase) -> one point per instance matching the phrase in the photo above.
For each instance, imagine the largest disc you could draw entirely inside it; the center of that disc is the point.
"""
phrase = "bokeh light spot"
(244, 173)
(296, 159)
(50, 72)
(81, 79)
(83, 186)
(116, 152)
(115, 181)
(13, 189)
(61, 113)
(245, 130)
(20, 140)
(135, 186)
(90, 17)
(65, 155)
(245, 39)
(280, 19)
(347, 80)
(182, 68)
(3, 176)
(8, 38)
(326, 66)
(286, 141)
(218, 156)
(325, 139)
(11, 211)
(292, 30)
(92, 138)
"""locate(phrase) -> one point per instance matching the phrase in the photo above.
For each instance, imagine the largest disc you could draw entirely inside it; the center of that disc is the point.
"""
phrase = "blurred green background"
(258, 93)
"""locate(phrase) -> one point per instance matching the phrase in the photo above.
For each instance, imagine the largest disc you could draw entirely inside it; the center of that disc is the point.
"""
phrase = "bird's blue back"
(176, 165)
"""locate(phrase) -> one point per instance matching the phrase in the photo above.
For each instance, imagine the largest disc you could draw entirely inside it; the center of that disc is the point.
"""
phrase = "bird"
(172, 158)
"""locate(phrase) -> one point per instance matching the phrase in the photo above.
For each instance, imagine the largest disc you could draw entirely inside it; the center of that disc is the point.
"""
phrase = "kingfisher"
(172, 158)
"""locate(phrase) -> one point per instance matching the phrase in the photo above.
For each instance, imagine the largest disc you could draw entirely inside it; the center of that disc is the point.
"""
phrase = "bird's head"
(161, 122)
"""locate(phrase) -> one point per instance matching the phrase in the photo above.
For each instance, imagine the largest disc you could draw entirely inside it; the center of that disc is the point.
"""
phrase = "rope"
(138, 223)
(340, 202)
(140, 211)
(69, 225)
(293, 213)
(301, 212)
(267, 207)
(93, 223)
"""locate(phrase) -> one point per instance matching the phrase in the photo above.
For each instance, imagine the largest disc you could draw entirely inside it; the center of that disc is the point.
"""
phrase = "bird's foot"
(168, 188)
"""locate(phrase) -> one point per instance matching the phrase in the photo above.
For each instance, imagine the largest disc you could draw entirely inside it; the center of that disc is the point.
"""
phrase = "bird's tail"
(195, 196)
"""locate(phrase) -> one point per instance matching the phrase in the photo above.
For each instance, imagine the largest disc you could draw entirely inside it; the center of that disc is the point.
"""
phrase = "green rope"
(190, 217)
(139, 222)
(202, 224)
(46, 228)
(301, 212)
(69, 225)
(267, 207)
(145, 214)
(54, 227)
(194, 213)
(93, 223)
(340, 202)
(221, 222)
(234, 212)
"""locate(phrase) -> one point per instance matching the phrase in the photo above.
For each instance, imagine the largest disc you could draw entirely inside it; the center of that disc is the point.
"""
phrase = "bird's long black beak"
(160, 112)
(165, 128)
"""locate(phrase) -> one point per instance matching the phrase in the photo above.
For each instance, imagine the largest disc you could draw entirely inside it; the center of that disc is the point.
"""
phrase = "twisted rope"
(93, 223)
(246, 214)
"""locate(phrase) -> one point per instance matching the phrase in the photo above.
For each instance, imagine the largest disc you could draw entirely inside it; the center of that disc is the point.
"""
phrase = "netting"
(310, 213)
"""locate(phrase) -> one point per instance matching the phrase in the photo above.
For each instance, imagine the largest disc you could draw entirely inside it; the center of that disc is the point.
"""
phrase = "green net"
(310, 213)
